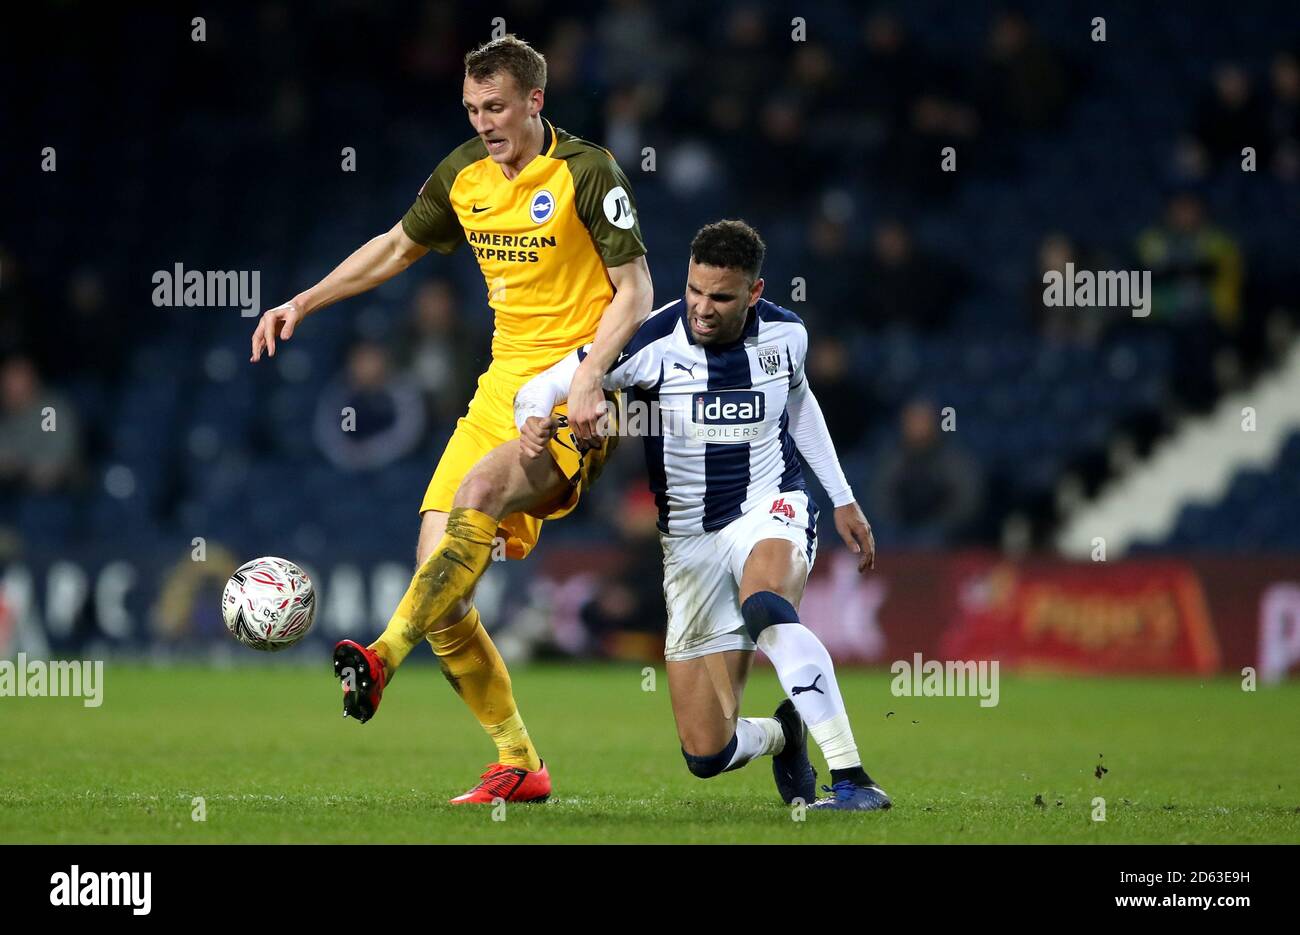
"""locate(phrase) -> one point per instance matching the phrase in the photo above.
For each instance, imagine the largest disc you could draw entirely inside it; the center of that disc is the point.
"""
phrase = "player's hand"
(535, 435)
(276, 322)
(856, 533)
(587, 406)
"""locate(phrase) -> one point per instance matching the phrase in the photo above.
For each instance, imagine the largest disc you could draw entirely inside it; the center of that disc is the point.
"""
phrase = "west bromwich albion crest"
(769, 358)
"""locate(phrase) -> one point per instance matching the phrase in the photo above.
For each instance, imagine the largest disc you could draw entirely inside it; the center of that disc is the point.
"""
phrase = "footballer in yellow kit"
(543, 241)
(551, 221)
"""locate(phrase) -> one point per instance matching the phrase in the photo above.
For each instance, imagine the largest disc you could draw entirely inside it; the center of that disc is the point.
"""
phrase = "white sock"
(835, 740)
(756, 736)
(804, 669)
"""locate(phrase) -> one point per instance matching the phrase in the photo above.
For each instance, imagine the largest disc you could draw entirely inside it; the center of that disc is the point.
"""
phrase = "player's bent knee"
(762, 609)
(706, 767)
(481, 491)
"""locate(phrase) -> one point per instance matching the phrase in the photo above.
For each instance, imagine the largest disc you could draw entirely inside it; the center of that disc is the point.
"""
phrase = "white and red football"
(268, 604)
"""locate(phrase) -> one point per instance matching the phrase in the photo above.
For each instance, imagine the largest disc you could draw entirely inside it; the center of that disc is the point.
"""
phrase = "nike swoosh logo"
(477, 210)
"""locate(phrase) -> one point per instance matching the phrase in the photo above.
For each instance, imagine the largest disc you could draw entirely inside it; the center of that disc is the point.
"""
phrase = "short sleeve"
(431, 221)
(603, 197)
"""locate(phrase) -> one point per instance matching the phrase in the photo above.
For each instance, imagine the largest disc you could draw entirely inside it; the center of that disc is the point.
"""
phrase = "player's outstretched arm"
(534, 402)
(631, 305)
(374, 262)
(813, 439)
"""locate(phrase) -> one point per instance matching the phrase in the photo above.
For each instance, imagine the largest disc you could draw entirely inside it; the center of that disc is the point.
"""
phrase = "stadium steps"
(1194, 465)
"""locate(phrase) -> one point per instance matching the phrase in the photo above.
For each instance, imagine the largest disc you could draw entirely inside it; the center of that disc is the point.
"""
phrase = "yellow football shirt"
(543, 240)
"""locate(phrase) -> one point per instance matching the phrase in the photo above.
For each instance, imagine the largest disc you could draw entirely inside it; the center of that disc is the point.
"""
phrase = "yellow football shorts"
(490, 422)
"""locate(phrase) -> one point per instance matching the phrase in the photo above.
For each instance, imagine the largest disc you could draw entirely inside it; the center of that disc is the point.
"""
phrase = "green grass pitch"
(268, 750)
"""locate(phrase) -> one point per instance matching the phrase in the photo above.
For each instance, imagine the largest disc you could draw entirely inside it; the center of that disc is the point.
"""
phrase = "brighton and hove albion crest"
(542, 205)
(769, 358)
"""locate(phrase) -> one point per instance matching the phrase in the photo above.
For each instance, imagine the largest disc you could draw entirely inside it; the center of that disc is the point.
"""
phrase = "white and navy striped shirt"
(731, 416)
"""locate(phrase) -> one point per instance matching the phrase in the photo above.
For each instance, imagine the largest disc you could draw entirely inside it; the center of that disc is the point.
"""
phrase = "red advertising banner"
(1186, 615)
(1125, 617)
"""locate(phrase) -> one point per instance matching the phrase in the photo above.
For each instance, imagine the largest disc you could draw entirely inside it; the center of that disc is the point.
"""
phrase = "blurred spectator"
(568, 105)
(847, 405)
(1196, 285)
(907, 287)
(831, 253)
(368, 418)
(722, 90)
(742, 66)
(1196, 267)
(433, 46)
(627, 112)
(1284, 116)
(438, 352)
(782, 134)
(1061, 324)
(927, 490)
(39, 431)
(18, 308)
(1191, 163)
(814, 83)
(897, 67)
(91, 339)
(634, 46)
(1028, 82)
(1231, 116)
(84, 338)
(933, 122)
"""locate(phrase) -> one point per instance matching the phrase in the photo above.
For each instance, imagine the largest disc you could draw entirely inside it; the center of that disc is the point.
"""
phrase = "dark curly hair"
(730, 245)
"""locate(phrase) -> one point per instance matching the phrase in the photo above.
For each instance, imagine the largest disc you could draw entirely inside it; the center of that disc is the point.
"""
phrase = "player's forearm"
(630, 307)
(374, 262)
(545, 391)
(813, 439)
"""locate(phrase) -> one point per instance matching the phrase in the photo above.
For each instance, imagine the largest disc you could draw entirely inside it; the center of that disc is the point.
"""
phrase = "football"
(268, 604)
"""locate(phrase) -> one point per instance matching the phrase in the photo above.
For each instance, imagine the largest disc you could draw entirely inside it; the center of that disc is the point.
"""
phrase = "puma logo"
(800, 689)
(690, 370)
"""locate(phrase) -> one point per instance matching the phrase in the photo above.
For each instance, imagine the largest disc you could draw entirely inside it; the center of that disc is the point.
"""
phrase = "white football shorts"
(702, 574)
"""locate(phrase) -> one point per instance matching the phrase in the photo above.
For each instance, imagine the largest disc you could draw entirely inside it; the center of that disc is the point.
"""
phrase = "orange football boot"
(511, 783)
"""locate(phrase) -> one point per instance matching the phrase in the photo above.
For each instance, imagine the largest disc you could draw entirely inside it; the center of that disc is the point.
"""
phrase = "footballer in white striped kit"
(723, 368)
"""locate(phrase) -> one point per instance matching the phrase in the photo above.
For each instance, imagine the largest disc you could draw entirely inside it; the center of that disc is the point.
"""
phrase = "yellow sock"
(475, 669)
(446, 576)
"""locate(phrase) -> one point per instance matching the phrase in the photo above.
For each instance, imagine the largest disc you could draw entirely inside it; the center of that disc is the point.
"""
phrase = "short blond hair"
(511, 55)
